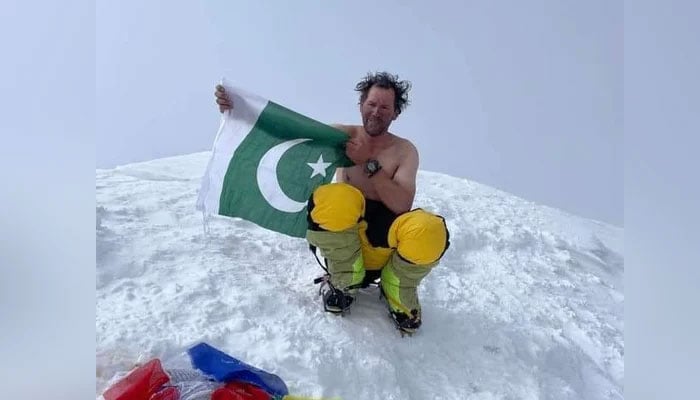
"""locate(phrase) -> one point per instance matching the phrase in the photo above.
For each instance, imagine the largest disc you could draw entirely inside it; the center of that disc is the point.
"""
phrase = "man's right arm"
(340, 172)
(222, 99)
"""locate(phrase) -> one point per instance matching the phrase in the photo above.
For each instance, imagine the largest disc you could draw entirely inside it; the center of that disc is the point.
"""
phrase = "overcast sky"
(525, 97)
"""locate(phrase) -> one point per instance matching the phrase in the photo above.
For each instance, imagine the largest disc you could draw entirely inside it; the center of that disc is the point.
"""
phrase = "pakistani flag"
(266, 162)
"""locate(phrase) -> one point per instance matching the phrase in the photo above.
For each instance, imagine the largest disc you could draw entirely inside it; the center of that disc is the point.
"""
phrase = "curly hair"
(385, 80)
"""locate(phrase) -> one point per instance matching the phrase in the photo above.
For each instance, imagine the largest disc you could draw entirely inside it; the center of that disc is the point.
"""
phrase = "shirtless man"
(363, 223)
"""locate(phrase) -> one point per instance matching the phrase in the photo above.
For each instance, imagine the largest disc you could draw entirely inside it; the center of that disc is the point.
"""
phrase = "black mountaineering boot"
(336, 301)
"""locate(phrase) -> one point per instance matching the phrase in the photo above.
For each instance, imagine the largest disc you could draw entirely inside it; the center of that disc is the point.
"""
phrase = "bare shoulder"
(406, 148)
(349, 129)
(406, 159)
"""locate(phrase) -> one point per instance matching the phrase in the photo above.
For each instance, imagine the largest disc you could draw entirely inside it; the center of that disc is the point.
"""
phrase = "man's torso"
(389, 154)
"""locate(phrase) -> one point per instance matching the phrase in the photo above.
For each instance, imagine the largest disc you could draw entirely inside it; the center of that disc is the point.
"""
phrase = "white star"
(319, 167)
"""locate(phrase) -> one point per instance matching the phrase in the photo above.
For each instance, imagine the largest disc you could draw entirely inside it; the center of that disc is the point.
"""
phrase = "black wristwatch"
(372, 167)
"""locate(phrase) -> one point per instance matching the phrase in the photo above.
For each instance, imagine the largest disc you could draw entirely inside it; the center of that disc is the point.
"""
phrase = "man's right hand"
(358, 148)
(222, 99)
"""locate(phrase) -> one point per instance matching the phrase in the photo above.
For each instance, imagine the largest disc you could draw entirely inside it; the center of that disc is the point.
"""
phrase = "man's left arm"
(398, 192)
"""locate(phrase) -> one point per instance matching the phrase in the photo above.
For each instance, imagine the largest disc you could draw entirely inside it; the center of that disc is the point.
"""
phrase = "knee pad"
(419, 237)
(336, 207)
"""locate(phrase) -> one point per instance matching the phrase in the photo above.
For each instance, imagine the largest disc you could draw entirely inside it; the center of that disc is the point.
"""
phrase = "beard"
(375, 126)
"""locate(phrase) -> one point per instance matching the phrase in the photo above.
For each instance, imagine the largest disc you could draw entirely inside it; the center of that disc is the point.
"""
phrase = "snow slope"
(528, 302)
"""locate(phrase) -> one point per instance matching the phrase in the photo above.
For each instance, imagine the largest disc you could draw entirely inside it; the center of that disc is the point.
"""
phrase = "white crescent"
(267, 178)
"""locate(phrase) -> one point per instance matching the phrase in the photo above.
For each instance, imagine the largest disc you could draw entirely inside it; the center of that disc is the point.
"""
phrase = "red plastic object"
(168, 393)
(141, 384)
(240, 391)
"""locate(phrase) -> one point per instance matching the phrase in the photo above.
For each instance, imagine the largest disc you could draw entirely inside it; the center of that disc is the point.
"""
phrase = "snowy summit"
(528, 302)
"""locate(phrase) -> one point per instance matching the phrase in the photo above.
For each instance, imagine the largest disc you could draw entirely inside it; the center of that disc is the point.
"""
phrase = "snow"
(528, 302)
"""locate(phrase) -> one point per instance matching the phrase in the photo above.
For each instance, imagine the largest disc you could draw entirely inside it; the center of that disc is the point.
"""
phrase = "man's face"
(378, 110)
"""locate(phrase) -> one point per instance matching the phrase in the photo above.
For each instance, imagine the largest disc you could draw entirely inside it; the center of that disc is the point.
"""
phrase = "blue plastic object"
(224, 368)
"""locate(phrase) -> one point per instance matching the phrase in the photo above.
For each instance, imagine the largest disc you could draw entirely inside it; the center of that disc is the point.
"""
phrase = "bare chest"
(389, 160)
